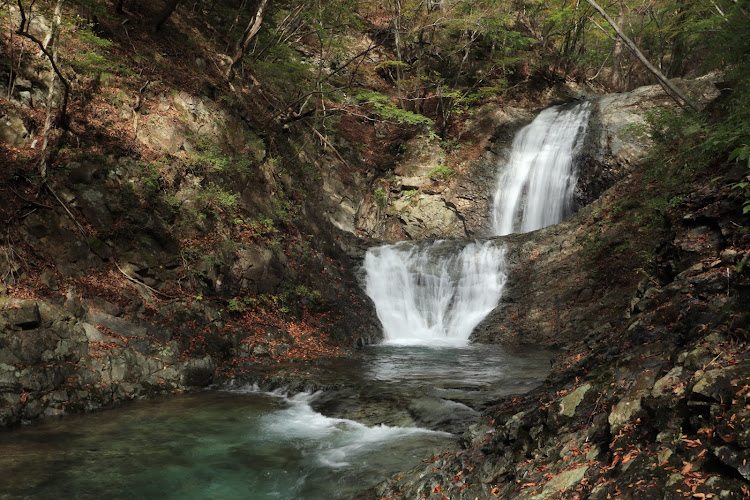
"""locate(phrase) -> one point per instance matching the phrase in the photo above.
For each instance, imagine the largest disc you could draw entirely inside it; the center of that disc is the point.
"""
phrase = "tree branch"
(672, 90)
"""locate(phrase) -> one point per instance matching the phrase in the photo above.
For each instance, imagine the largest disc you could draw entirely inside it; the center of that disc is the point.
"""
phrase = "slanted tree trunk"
(243, 44)
(170, 6)
(674, 92)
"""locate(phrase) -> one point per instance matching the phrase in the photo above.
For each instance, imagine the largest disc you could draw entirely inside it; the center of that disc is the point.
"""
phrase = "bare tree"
(674, 92)
(243, 44)
(49, 49)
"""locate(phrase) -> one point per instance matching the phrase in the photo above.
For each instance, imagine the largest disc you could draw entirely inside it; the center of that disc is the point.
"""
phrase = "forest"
(196, 197)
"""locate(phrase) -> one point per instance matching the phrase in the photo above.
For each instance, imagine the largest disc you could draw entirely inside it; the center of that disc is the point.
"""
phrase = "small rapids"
(227, 445)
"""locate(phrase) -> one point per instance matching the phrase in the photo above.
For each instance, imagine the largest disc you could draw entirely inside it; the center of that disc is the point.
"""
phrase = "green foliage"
(381, 197)
(151, 180)
(303, 292)
(441, 173)
(388, 64)
(283, 211)
(217, 200)
(87, 36)
(239, 305)
(383, 107)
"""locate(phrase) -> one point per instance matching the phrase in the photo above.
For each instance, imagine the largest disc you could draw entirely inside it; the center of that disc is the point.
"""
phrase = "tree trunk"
(243, 44)
(399, 55)
(51, 39)
(674, 92)
(164, 14)
(618, 81)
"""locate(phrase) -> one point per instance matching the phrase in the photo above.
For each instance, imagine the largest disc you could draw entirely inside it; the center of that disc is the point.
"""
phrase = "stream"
(383, 410)
(241, 443)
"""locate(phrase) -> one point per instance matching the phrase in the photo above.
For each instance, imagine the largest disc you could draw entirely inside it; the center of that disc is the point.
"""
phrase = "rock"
(714, 384)
(729, 256)
(94, 335)
(428, 217)
(564, 481)
(82, 173)
(74, 305)
(117, 325)
(24, 315)
(49, 280)
(668, 383)
(106, 307)
(261, 350)
(13, 132)
(93, 203)
(570, 402)
(623, 412)
(256, 269)
(22, 83)
(421, 156)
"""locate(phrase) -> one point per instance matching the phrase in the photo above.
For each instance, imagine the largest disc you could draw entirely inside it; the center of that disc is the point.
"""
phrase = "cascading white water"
(433, 294)
(535, 188)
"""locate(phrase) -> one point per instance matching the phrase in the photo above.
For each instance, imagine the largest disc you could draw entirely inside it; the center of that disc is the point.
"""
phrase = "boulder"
(13, 132)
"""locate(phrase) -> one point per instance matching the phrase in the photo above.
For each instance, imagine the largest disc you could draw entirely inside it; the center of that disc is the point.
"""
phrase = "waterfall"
(434, 293)
(535, 189)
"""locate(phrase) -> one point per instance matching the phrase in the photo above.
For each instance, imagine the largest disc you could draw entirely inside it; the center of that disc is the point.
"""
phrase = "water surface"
(243, 444)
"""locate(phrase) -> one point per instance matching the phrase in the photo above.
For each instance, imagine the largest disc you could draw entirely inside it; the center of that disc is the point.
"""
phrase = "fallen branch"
(671, 89)
(70, 214)
(327, 143)
(141, 283)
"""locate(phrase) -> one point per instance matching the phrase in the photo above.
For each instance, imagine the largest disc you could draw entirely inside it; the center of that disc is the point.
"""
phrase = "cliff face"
(183, 232)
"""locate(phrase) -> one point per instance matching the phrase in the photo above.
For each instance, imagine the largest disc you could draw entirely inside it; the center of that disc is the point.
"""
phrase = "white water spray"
(535, 189)
(434, 294)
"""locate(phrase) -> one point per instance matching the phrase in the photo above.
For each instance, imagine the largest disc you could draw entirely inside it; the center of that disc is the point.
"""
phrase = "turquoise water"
(209, 445)
(244, 444)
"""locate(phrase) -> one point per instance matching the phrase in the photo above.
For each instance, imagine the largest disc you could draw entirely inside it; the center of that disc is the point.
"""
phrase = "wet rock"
(199, 372)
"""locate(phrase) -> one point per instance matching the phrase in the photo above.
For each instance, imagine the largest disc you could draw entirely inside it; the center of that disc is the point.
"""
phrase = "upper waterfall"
(535, 187)
(435, 293)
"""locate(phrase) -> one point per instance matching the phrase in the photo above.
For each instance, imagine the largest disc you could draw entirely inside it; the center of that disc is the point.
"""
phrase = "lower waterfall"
(434, 293)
